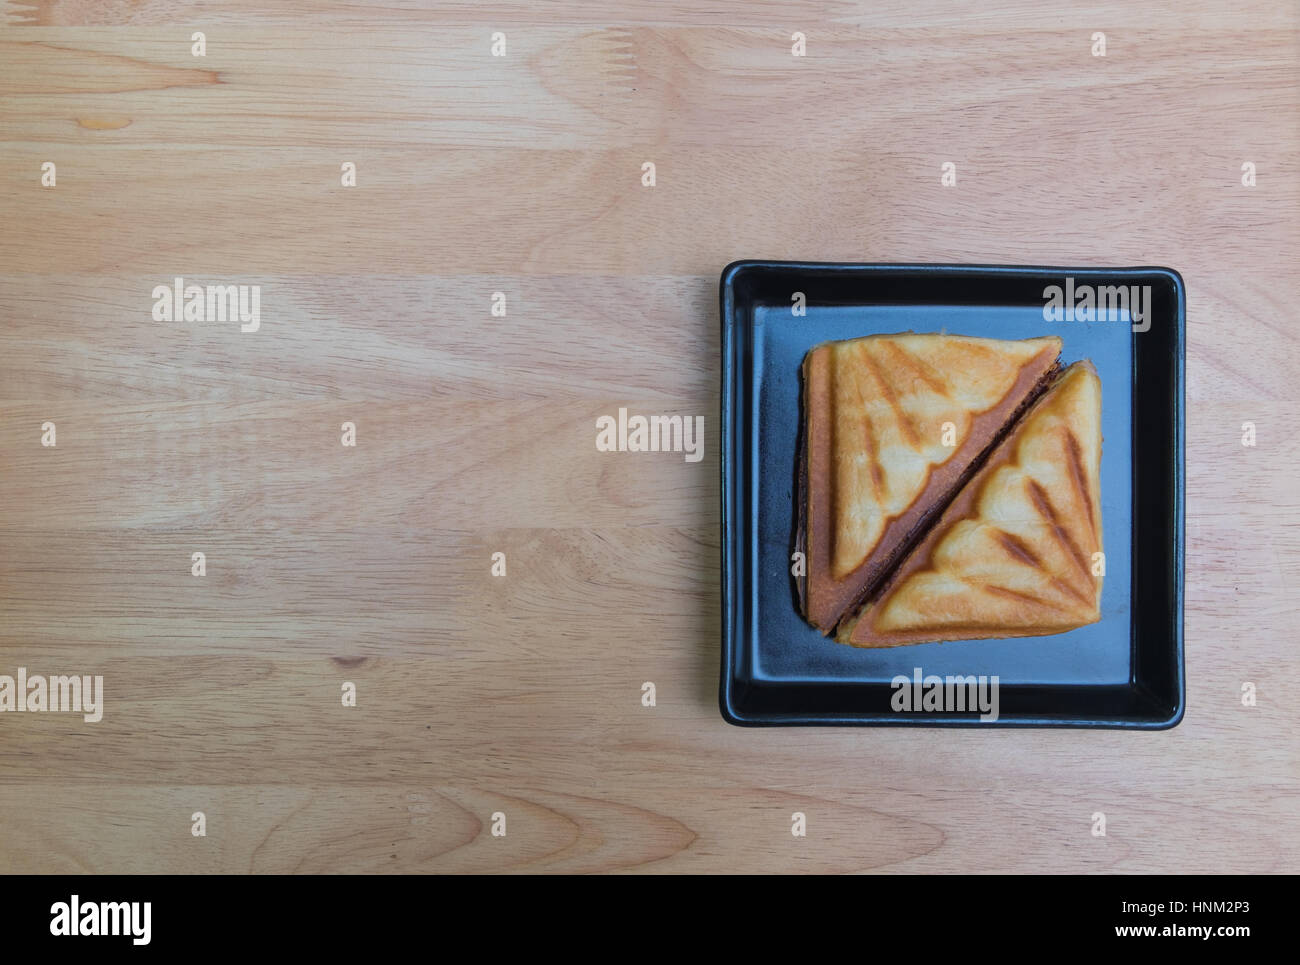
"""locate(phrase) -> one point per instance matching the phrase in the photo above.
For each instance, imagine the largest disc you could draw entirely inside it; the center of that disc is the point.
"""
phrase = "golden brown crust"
(1012, 555)
(900, 389)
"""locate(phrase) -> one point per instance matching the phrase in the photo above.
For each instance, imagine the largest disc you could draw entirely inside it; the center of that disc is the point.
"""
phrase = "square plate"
(1124, 671)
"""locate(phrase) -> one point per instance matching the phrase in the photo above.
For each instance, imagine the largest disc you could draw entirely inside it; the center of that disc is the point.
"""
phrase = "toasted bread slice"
(1013, 554)
(893, 425)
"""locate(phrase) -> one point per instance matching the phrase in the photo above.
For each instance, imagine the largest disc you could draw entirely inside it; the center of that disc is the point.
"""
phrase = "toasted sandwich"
(893, 425)
(1018, 551)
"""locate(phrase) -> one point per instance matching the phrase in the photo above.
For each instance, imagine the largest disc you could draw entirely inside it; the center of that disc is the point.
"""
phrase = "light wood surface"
(521, 694)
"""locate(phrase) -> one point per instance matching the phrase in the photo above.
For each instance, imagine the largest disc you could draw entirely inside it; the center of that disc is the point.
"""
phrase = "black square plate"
(1124, 671)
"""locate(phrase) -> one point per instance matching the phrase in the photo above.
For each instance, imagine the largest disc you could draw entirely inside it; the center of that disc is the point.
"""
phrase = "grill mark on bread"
(1078, 476)
(873, 459)
(1019, 550)
(870, 448)
(1073, 591)
(1006, 591)
(921, 368)
(1016, 548)
(904, 420)
(1043, 505)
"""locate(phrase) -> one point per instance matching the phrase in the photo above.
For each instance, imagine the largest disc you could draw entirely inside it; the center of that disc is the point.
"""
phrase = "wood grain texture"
(521, 174)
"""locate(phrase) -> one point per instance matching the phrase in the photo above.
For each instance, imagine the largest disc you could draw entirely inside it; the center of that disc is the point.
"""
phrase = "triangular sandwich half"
(1013, 554)
(892, 427)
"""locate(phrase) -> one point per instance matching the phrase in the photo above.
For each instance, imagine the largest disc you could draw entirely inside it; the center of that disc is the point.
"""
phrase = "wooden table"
(522, 174)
